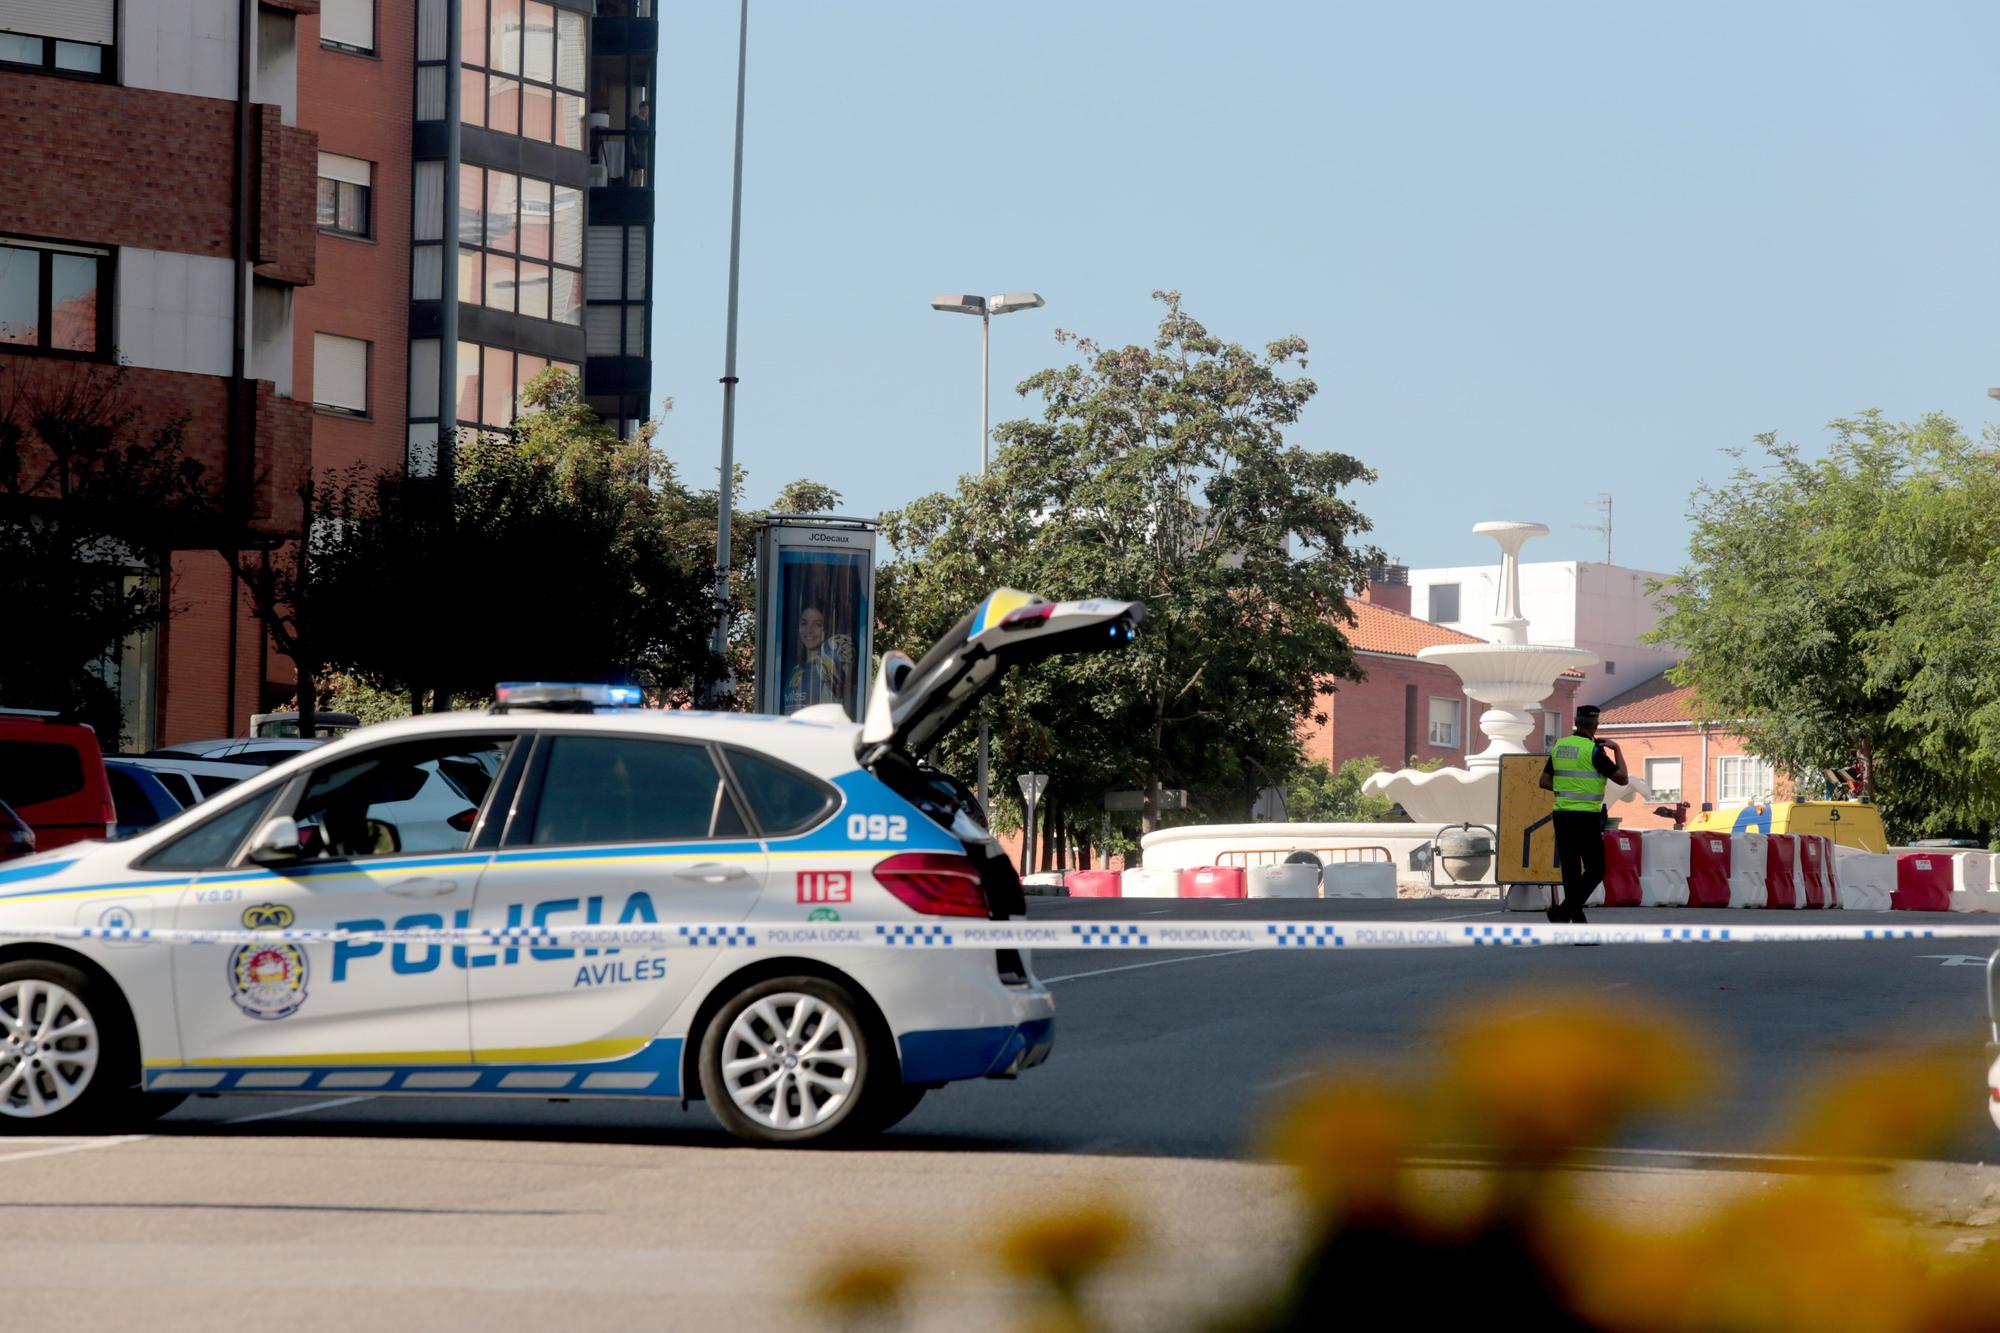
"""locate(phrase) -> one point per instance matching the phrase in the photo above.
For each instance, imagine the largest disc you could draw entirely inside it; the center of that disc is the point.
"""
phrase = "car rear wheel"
(789, 1061)
(63, 1052)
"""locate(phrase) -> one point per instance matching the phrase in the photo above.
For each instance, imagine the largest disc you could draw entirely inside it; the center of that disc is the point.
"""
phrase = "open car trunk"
(914, 703)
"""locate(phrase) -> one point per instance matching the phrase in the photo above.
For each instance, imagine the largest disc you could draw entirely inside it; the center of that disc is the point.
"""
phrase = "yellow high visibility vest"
(1579, 786)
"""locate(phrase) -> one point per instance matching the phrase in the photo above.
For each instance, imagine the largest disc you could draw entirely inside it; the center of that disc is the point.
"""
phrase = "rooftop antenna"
(1602, 502)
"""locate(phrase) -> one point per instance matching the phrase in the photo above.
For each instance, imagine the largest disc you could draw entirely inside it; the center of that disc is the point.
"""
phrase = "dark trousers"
(1580, 852)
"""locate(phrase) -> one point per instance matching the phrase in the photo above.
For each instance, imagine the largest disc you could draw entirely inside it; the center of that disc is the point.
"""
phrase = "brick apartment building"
(417, 175)
(1678, 755)
(1408, 710)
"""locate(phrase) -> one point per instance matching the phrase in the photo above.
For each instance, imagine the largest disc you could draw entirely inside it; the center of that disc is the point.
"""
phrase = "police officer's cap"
(1586, 712)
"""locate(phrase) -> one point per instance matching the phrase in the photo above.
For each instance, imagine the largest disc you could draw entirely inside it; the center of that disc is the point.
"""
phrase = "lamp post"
(985, 307)
(726, 482)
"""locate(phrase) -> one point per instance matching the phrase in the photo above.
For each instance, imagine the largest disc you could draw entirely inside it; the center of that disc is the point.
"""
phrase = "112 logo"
(826, 886)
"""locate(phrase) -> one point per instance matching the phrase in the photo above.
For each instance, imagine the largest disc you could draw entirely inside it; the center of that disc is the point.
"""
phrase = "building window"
(1443, 603)
(340, 375)
(347, 25)
(490, 382)
(55, 298)
(1740, 779)
(1444, 723)
(524, 66)
(520, 245)
(1552, 730)
(344, 195)
(73, 38)
(1610, 668)
(1664, 777)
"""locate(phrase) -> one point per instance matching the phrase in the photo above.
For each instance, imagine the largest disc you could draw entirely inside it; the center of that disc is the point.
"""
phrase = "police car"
(552, 810)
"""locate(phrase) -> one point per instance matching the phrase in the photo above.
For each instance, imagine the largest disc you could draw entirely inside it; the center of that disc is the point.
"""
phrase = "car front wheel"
(61, 1053)
(788, 1061)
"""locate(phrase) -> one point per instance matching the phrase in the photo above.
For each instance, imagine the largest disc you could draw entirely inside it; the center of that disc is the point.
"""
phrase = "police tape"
(970, 934)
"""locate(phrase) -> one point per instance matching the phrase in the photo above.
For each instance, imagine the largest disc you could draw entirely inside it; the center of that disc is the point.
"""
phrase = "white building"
(1579, 603)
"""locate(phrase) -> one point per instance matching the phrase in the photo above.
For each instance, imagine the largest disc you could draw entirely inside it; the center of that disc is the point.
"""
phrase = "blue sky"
(1540, 250)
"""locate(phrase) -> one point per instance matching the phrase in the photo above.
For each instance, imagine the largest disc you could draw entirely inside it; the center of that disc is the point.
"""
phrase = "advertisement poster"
(823, 618)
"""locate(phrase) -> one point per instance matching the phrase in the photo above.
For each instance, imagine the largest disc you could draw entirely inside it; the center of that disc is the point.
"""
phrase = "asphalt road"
(331, 1212)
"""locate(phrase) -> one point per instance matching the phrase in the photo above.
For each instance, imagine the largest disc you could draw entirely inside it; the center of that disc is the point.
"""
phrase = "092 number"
(878, 828)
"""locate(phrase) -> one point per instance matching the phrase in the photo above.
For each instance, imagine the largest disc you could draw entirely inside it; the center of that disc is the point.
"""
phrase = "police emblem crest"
(268, 980)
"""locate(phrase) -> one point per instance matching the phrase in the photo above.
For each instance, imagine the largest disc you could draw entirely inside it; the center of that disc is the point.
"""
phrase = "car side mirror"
(277, 841)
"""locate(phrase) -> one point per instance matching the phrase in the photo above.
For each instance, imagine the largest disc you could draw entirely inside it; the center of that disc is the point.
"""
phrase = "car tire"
(790, 1060)
(67, 1057)
(891, 1104)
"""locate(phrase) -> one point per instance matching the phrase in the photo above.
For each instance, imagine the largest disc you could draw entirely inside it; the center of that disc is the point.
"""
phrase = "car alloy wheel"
(49, 1048)
(791, 1062)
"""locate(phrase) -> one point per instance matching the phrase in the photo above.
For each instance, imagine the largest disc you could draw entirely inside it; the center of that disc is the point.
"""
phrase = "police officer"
(1578, 767)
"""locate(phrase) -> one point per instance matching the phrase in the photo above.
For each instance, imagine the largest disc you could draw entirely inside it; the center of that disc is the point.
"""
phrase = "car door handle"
(712, 872)
(424, 888)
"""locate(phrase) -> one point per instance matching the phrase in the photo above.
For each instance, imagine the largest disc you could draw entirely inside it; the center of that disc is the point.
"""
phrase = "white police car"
(562, 814)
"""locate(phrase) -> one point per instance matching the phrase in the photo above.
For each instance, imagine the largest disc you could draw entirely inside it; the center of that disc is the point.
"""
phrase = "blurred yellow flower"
(1546, 1074)
(869, 1286)
(1345, 1140)
(1065, 1248)
(1964, 1298)
(1902, 1104)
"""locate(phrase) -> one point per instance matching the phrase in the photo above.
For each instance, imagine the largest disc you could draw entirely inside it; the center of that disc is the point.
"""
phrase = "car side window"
(624, 789)
(32, 772)
(784, 801)
(422, 796)
(214, 841)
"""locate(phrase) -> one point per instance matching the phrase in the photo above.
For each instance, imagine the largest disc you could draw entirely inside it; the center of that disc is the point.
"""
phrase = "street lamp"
(985, 307)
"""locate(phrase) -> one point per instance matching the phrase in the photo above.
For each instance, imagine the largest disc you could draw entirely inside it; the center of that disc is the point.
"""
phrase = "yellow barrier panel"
(1527, 850)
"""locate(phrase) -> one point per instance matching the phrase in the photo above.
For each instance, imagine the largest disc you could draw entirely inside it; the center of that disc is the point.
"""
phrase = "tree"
(1158, 473)
(1832, 612)
(566, 554)
(91, 502)
(1321, 794)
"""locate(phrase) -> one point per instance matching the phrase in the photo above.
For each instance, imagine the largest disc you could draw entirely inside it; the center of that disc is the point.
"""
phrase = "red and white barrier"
(1663, 867)
(1748, 854)
(1781, 872)
(1358, 879)
(1093, 883)
(1213, 882)
(1150, 882)
(1623, 865)
(1283, 881)
(1867, 880)
(1923, 882)
(1708, 870)
(1816, 876)
(1972, 883)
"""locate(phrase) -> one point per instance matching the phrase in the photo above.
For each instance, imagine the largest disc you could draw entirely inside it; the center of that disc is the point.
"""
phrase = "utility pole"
(726, 483)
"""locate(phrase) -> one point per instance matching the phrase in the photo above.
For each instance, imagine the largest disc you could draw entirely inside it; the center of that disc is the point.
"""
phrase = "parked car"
(139, 796)
(266, 752)
(52, 774)
(16, 838)
(193, 781)
(325, 725)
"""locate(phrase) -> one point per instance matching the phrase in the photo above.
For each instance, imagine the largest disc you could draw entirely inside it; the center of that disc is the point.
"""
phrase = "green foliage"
(1840, 611)
(1159, 473)
(89, 503)
(806, 497)
(566, 554)
(1321, 794)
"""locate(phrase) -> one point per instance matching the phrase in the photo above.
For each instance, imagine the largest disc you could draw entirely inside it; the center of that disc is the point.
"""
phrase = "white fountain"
(1510, 676)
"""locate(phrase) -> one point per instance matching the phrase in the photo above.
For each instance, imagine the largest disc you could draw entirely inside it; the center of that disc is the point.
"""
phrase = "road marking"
(1134, 967)
(1287, 1079)
(297, 1110)
(85, 1145)
(1467, 916)
(1616, 985)
(1956, 959)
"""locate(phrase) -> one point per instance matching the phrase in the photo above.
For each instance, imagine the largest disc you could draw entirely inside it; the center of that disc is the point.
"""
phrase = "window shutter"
(70, 20)
(352, 170)
(340, 373)
(349, 22)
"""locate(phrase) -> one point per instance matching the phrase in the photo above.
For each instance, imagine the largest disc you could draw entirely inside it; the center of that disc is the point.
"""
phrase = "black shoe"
(1578, 920)
(1555, 916)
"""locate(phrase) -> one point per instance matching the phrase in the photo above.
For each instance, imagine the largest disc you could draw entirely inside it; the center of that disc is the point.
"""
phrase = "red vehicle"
(52, 774)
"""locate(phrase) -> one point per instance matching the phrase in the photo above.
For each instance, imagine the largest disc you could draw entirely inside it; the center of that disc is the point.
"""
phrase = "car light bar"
(560, 697)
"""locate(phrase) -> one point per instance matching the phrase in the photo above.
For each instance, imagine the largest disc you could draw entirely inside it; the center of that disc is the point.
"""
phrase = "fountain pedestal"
(1512, 677)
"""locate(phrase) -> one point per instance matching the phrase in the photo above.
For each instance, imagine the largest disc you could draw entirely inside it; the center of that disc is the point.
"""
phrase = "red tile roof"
(1378, 629)
(1657, 701)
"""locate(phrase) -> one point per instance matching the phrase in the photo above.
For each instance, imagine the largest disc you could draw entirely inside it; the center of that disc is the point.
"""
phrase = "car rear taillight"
(934, 883)
(110, 813)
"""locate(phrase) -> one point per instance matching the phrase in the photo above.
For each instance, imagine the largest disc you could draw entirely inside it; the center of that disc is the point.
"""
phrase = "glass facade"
(521, 70)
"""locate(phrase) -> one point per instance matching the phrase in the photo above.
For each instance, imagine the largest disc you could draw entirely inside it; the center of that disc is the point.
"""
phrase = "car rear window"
(210, 784)
(611, 789)
(178, 785)
(32, 772)
(784, 801)
(132, 805)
